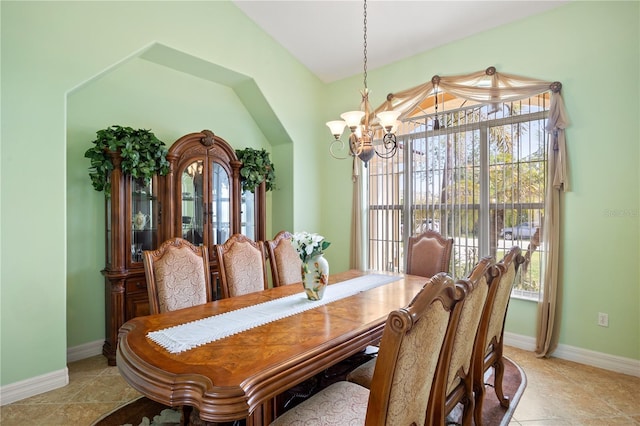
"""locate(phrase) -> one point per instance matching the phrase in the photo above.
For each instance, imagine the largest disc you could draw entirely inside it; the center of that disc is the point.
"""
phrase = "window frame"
(406, 210)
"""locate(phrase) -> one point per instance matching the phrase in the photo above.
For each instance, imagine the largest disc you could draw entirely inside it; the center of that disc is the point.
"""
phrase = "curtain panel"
(491, 86)
(355, 255)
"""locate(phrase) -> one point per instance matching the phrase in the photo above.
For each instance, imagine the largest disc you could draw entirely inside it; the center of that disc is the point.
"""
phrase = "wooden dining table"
(239, 376)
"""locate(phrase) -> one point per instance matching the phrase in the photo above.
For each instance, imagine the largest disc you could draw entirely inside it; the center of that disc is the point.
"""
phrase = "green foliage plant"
(143, 156)
(256, 167)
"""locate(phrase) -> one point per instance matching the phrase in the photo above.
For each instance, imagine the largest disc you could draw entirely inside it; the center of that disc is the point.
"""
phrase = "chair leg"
(479, 391)
(467, 409)
(499, 375)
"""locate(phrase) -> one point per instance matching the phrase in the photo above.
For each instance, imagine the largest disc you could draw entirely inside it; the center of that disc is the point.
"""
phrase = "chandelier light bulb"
(388, 119)
(352, 118)
(362, 133)
(336, 127)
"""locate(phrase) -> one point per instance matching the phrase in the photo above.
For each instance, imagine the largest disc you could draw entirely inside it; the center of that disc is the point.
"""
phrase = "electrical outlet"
(603, 319)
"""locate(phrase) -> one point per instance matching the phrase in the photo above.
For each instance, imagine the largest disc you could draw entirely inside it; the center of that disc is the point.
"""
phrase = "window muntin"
(483, 171)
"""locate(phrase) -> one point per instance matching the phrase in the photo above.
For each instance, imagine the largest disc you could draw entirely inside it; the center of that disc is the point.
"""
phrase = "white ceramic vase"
(315, 277)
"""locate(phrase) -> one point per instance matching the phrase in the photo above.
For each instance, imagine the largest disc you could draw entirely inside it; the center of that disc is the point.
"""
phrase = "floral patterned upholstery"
(362, 374)
(285, 262)
(465, 334)
(339, 404)
(428, 254)
(242, 266)
(459, 373)
(490, 336)
(500, 303)
(405, 368)
(415, 369)
(177, 276)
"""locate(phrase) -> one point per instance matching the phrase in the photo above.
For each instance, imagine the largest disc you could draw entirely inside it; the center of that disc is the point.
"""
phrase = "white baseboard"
(583, 356)
(50, 381)
(34, 386)
(598, 359)
(85, 350)
(520, 341)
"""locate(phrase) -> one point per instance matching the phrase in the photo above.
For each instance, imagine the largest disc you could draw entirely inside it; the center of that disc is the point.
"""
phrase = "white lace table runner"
(190, 335)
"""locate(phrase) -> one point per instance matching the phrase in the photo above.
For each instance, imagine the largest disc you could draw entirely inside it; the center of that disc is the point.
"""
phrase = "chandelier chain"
(361, 139)
(365, 43)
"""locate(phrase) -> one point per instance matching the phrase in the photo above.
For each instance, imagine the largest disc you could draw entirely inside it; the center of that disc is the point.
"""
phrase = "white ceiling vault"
(327, 36)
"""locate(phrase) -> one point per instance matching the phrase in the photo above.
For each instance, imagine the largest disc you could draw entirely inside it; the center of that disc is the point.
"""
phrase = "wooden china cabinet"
(200, 199)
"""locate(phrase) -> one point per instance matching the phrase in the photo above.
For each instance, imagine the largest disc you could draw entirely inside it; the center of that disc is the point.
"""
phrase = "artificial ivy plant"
(256, 167)
(143, 156)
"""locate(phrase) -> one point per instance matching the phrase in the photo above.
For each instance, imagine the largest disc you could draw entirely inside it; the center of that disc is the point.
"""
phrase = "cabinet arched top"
(202, 143)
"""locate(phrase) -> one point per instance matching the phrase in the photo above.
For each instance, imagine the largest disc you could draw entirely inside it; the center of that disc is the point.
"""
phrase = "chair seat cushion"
(340, 404)
(363, 374)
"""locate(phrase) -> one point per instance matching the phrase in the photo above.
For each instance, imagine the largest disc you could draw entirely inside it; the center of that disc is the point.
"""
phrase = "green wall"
(71, 68)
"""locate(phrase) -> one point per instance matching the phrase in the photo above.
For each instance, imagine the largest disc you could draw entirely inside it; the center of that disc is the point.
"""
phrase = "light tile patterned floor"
(562, 392)
(558, 393)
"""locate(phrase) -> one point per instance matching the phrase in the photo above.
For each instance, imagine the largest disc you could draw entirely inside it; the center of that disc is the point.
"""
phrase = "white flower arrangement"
(308, 245)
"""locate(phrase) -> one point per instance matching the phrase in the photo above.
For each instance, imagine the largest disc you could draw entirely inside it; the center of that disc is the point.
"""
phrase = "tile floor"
(558, 392)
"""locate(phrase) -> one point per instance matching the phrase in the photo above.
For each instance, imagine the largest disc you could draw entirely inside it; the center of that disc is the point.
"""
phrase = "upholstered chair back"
(284, 260)
(497, 304)
(489, 342)
(411, 346)
(457, 371)
(428, 253)
(409, 352)
(242, 266)
(177, 275)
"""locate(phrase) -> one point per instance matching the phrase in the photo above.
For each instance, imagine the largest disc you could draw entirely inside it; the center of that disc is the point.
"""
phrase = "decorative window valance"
(482, 86)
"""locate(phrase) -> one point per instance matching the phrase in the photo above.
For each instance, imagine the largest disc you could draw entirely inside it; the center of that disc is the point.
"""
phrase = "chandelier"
(362, 130)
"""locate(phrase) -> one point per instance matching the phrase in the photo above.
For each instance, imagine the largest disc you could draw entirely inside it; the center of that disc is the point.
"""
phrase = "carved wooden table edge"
(253, 398)
(175, 390)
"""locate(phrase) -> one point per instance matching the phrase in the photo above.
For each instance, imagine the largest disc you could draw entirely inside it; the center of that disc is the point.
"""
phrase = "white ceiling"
(327, 35)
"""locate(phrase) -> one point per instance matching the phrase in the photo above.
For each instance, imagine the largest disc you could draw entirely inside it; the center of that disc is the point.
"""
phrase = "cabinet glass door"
(220, 206)
(144, 218)
(206, 206)
(248, 214)
(193, 203)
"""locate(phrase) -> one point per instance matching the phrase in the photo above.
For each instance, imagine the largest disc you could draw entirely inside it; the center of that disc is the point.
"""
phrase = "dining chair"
(490, 339)
(428, 253)
(177, 275)
(284, 260)
(454, 382)
(242, 266)
(409, 352)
